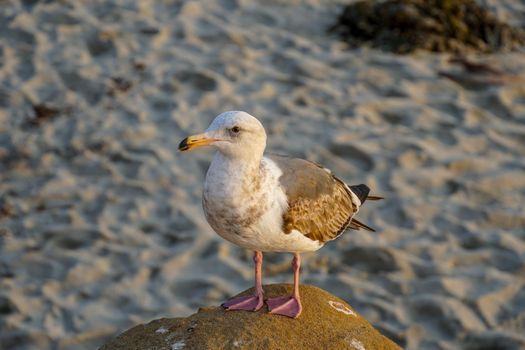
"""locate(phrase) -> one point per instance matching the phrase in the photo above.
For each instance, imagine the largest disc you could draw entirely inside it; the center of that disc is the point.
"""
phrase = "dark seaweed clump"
(403, 26)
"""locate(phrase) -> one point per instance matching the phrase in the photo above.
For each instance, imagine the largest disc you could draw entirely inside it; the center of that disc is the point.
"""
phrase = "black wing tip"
(358, 225)
(361, 191)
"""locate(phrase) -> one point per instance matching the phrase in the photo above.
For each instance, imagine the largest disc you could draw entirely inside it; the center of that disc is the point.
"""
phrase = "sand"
(101, 226)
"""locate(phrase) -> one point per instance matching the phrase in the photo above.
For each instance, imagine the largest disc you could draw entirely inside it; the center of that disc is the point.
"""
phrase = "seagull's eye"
(236, 129)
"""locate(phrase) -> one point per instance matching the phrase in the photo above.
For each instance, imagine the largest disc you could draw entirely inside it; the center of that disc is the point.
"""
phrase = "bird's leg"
(290, 305)
(251, 302)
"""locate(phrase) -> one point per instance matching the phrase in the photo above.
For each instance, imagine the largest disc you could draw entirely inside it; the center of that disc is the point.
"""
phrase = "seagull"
(271, 203)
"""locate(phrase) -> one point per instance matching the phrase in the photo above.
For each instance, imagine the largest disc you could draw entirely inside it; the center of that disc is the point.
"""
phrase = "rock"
(326, 322)
(403, 26)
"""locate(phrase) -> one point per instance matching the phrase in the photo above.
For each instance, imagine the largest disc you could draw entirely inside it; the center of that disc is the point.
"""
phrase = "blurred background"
(101, 225)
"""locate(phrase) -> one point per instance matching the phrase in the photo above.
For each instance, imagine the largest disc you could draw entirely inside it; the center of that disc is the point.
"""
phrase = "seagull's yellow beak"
(195, 141)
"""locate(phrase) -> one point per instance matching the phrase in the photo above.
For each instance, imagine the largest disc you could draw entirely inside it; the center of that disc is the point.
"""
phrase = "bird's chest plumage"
(225, 214)
(233, 202)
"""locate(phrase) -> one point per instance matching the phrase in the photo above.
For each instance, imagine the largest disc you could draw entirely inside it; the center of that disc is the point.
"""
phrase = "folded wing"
(320, 205)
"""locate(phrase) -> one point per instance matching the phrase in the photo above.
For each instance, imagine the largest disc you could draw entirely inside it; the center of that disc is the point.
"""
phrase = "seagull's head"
(234, 133)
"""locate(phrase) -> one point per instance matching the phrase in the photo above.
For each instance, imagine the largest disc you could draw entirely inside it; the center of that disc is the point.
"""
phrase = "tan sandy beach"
(101, 225)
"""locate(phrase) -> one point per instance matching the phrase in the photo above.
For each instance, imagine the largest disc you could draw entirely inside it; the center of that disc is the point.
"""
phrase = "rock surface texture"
(403, 26)
(327, 322)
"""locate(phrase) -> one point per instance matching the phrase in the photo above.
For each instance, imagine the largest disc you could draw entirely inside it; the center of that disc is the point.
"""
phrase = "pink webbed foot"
(287, 306)
(248, 303)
